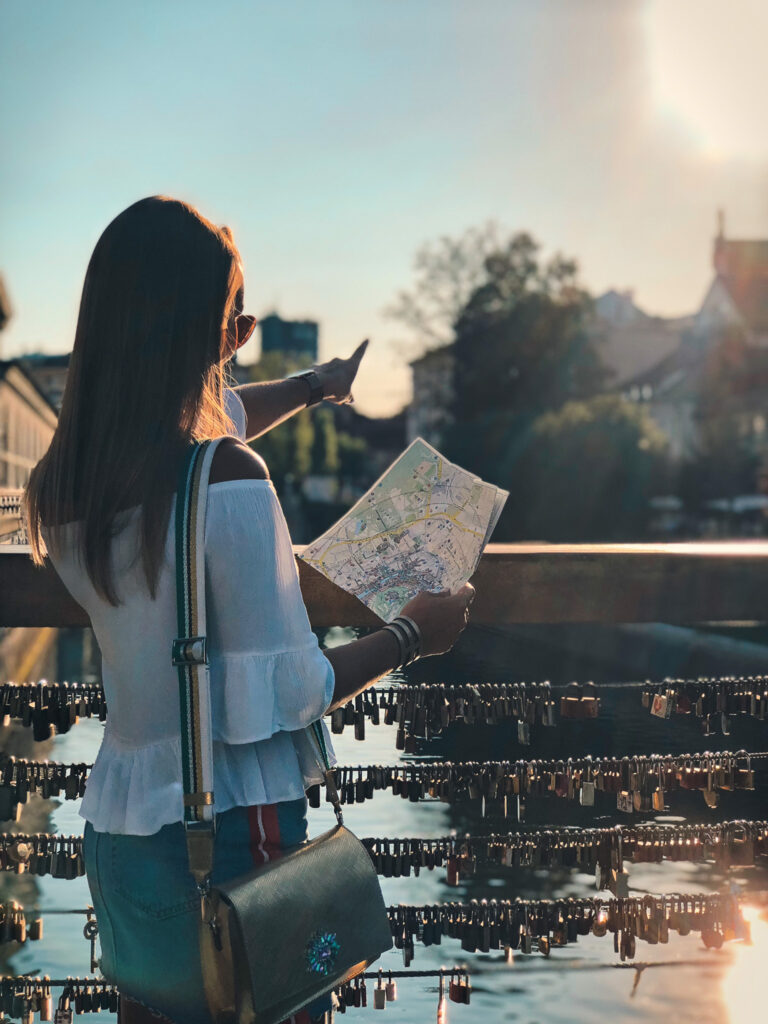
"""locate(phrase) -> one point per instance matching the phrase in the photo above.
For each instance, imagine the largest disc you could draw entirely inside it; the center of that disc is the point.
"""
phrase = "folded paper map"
(422, 526)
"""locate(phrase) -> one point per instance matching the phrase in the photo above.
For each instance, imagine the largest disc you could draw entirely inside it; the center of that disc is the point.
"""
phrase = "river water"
(577, 983)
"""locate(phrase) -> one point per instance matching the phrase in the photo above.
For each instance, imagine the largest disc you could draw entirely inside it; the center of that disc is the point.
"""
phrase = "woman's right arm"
(357, 665)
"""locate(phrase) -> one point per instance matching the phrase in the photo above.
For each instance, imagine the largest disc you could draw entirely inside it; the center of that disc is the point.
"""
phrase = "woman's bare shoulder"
(234, 460)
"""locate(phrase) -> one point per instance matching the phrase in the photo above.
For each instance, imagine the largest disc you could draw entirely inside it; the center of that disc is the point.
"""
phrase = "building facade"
(297, 338)
(735, 310)
(27, 423)
(631, 341)
(49, 373)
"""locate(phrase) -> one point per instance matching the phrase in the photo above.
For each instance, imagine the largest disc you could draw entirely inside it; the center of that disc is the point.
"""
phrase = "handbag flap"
(313, 914)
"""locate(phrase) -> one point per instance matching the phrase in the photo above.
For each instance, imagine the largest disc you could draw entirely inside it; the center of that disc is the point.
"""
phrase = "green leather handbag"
(285, 933)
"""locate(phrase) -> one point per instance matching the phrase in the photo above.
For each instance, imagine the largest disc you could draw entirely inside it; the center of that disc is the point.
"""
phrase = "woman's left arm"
(268, 403)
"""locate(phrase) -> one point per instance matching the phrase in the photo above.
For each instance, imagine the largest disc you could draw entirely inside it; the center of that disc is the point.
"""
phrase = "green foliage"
(353, 456)
(307, 443)
(528, 366)
(521, 340)
(588, 471)
(325, 449)
(447, 272)
(277, 449)
(723, 466)
(273, 366)
(724, 463)
(303, 443)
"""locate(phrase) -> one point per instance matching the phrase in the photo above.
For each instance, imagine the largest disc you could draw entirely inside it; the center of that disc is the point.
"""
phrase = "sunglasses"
(244, 326)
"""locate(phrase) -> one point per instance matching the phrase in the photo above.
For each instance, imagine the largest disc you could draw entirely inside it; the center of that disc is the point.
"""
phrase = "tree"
(353, 457)
(588, 472)
(522, 344)
(303, 443)
(325, 451)
(447, 273)
(724, 464)
(309, 442)
(286, 449)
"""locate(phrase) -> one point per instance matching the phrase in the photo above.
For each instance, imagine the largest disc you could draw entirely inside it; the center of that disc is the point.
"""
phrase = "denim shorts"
(147, 907)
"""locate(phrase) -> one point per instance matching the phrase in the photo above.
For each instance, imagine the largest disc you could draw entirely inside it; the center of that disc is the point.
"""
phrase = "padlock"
(380, 994)
(454, 990)
(570, 704)
(587, 793)
(46, 1001)
(590, 702)
(744, 776)
(391, 989)
(659, 705)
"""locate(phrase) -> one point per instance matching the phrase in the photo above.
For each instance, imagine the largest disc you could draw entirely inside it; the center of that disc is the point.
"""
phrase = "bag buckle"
(189, 650)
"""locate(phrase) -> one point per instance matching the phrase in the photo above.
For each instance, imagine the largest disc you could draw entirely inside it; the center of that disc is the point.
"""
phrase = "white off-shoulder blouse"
(269, 678)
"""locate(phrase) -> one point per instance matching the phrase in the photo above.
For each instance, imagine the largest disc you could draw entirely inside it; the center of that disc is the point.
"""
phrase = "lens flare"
(744, 981)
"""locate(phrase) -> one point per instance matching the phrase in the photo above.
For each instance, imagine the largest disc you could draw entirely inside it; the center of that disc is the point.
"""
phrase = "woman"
(161, 314)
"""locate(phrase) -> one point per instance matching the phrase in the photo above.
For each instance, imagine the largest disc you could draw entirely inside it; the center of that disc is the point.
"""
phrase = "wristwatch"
(315, 385)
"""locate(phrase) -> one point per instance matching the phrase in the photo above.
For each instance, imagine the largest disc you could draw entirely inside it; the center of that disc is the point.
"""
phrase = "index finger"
(360, 350)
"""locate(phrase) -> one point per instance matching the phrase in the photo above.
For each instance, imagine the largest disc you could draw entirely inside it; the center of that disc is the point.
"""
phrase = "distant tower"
(718, 255)
(291, 337)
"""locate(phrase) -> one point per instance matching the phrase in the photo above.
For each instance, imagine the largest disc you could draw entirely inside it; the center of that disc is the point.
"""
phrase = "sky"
(336, 136)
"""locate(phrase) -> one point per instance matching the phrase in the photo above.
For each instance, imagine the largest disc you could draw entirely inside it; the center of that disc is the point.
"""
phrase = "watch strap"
(316, 393)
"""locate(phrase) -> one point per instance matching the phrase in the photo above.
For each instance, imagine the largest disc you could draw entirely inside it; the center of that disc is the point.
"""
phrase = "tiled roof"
(742, 266)
(741, 258)
(750, 296)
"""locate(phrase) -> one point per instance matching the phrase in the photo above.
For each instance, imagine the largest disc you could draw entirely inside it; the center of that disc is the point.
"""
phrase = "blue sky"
(335, 136)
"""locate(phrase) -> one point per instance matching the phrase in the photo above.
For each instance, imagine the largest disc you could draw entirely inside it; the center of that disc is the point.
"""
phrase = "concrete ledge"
(516, 584)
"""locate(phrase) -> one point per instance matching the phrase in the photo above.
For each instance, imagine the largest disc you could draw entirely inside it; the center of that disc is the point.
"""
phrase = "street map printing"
(422, 526)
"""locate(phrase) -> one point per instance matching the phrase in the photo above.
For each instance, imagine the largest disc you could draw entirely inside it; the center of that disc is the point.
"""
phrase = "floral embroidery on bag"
(321, 952)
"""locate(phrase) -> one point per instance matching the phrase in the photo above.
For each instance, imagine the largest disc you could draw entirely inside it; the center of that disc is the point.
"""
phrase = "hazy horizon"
(336, 139)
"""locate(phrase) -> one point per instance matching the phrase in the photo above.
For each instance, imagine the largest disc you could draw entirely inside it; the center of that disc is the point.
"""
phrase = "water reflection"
(576, 983)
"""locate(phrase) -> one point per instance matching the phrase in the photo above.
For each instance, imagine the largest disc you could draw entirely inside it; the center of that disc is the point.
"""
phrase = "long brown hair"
(145, 379)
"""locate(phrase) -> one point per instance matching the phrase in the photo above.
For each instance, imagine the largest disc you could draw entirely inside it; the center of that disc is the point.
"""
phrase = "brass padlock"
(744, 773)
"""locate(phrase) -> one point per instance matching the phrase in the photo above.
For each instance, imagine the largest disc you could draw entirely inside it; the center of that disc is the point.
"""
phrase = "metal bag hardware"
(301, 900)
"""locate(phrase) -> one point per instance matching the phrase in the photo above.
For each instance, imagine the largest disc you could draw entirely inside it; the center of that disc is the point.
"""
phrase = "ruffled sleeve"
(268, 673)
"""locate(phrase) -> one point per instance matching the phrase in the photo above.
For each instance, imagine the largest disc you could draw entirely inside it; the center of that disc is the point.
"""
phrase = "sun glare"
(743, 982)
(708, 73)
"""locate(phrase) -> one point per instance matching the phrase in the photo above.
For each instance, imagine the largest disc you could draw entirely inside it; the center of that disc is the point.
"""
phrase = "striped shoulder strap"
(189, 651)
